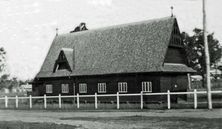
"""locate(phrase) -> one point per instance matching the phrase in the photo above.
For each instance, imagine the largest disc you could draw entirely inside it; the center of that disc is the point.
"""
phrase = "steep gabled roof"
(134, 47)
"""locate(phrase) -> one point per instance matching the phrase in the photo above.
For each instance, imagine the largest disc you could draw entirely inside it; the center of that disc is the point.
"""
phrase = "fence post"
(60, 101)
(16, 101)
(6, 101)
(74, 99)
(141, 100)
(30, 101)
(195, 98)
(168, 99)
(117, 101)
(45, 102)
(96, 106)
(77, 100)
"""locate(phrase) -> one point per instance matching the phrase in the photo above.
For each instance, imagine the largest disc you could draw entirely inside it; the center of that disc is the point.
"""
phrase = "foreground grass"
(97, 119)
(24, 125)
(146, 122)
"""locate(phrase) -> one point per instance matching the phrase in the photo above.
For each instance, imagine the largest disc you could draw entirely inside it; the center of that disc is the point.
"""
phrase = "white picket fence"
(95, 96)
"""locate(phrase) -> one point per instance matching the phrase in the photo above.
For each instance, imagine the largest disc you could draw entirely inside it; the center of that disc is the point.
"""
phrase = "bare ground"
(121, 119)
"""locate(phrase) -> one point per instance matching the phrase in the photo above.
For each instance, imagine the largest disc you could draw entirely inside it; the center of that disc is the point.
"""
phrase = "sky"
(27, 27)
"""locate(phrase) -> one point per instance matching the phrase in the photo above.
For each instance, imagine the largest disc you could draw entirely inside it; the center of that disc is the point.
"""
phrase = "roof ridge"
(119, 25)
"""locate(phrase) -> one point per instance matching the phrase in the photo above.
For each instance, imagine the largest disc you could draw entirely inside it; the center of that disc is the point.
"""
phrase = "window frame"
(82, 87)
(48, 90)
(122, 87)
(147, 86)
(101, 87)
(65, 88)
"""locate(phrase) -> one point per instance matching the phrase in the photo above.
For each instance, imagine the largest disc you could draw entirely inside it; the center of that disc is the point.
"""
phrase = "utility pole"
(207, 58)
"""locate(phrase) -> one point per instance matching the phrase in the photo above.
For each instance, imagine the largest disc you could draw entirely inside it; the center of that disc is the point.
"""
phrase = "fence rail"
(96, 96)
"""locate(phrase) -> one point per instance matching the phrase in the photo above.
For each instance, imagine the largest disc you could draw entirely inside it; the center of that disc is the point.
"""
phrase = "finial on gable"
(171, 11)
(57, 29)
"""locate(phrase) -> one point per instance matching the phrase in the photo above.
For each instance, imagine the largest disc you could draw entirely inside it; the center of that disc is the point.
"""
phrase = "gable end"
(175, 39)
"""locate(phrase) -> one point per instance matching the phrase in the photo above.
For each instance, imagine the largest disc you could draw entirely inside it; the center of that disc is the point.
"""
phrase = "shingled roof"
(128, 48)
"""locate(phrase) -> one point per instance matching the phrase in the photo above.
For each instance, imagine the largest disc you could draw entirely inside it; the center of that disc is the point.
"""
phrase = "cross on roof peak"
(57, 29)
(171, 11)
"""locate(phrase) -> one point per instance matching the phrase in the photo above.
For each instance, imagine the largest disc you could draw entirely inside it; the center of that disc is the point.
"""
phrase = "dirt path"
(58, 117)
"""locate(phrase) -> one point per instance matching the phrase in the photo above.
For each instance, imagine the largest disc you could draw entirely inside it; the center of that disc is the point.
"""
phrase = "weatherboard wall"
(160, 83)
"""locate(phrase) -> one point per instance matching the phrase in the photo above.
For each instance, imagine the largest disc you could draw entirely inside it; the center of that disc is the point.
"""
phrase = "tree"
(220, 67)
(194, 47)
(9, 83)
(3, 76)
(2, 59)
(5, 80)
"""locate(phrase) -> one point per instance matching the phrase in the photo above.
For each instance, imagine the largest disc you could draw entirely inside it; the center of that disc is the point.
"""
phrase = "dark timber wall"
(160, 83)
(174, 83)
(175, 55)
(133, 83)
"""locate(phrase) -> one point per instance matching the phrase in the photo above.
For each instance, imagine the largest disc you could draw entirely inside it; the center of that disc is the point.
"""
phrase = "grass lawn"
(24, 125)
(146, 122)
(126, 122)
(113, 119)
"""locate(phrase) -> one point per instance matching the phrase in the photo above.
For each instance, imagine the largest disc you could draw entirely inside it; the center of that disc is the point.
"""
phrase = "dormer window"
(61, 66)
(62, 56)
(64, 60)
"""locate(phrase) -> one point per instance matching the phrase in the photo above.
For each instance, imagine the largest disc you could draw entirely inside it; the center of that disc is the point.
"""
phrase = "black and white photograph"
(110, 64)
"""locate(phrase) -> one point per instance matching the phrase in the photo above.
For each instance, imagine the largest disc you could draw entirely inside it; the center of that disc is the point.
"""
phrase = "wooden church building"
(144, 56)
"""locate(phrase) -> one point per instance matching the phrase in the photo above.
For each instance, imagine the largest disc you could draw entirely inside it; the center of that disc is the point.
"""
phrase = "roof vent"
(80, 27)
